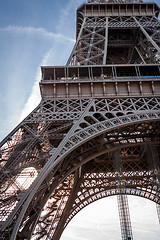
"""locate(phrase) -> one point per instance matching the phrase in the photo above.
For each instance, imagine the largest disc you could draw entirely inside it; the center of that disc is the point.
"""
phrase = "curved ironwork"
(91, 190)
(93, 134)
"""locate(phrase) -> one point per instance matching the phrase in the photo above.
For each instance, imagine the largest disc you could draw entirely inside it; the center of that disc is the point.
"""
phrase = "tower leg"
(123, 207)
(158, 211)
(68, 207)
(124, 217)
(153, 159)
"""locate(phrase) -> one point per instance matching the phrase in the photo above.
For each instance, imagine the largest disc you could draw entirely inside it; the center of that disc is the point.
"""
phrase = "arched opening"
(54, 218)
(100, 220)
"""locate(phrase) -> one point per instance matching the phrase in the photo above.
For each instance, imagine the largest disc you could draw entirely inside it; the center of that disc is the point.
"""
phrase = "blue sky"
(40, 32)
(32, 33)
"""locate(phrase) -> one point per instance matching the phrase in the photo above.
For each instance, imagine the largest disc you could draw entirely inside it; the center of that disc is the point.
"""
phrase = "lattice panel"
(125, 222)
(101, 180)
(128, 40)
(71, 109)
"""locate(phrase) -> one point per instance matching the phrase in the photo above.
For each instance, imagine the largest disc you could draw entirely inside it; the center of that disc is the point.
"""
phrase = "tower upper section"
(117, 32)
(117, 47)
(112, 8)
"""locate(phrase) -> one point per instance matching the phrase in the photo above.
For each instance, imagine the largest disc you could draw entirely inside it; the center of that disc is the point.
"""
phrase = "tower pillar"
(123, 206)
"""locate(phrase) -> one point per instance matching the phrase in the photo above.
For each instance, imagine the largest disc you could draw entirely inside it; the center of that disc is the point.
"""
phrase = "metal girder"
(91, 182)
(106, 43)
(158, 211)
(125, 222)
(91, 46)
(75, 46)
(71, 143)
(147, 36)
(154, 163)
(113, 107)
(123, 207)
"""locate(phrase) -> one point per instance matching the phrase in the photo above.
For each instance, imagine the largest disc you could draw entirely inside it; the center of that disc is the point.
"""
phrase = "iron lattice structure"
(104, 103)
(158, 211)
(123, 207)
(125, 222)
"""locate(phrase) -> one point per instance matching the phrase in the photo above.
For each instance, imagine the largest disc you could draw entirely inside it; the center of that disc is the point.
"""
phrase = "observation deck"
(100, 81)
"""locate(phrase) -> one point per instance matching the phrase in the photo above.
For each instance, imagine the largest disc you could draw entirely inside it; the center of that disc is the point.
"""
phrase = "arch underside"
(84, 169)
(89, 173)
(94, 180)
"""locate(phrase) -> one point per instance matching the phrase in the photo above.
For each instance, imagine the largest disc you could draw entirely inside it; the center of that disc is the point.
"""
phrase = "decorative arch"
(77, 137)
(73, 169)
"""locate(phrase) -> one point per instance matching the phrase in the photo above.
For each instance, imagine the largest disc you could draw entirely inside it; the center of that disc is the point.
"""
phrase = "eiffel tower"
(96, 131)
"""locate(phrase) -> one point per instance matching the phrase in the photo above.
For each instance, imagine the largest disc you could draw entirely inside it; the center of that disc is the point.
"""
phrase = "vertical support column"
(70, 201)
(90, 45)
(158, 211)
(77, 41)
(123, 206)
(153, 159)
(147, 35)
(124, 216)
(105, 43)
(139, 53)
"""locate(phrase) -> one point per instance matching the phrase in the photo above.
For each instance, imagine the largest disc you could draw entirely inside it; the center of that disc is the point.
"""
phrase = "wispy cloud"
(100, 220)
(20, 60)
(34, 97)
(32, 30)
(62, 34)
(56, 39)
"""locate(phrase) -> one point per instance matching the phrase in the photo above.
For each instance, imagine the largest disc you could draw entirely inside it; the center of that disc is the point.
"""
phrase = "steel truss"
(61, 158)
(104, 39)
(88, 143)
(158, 211)
(123, 207)
(124, 216)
